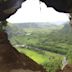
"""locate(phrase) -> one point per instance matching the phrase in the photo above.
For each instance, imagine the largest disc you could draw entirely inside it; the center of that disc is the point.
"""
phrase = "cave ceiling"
(9, 7)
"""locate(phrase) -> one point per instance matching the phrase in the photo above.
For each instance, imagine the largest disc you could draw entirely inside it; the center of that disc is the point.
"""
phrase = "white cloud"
(32, 11)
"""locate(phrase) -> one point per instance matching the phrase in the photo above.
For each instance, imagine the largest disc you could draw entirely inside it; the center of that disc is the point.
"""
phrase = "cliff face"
(12, 61)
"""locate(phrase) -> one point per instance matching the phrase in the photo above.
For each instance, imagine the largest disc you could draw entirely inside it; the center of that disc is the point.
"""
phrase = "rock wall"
(67, 68)
(12, 61)
(59, 5)
(9, 7)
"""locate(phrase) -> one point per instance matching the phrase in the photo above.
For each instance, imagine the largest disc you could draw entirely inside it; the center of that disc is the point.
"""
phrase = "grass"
(33, 55)
(40, 58)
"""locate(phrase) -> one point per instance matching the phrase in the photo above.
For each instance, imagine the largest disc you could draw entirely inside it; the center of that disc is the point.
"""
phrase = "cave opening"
(41, 36)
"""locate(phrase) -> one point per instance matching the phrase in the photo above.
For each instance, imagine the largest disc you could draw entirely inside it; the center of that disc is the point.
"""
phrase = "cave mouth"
(32, 39)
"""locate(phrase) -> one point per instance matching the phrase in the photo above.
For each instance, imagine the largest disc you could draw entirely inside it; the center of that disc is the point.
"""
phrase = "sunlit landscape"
(47, 44)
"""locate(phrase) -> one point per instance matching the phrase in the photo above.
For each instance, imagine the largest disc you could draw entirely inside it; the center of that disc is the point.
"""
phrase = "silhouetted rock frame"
(10, 59)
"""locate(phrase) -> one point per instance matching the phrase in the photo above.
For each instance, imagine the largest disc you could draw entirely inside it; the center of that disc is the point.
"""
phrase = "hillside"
(19, 28)
(64, 35)
(35, 25)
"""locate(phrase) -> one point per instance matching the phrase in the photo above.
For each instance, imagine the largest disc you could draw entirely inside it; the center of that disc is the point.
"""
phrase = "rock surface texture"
(59, 5)
(12, 61)
(68, 68)
(9, 7)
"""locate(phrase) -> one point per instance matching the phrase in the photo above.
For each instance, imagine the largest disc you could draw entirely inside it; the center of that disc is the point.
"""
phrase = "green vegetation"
(3, 25)
(69, 56)
(39, 55)
(51, 61)
(46, 46)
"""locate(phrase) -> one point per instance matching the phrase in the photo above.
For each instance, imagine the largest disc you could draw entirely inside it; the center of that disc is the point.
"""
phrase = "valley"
(47, 44)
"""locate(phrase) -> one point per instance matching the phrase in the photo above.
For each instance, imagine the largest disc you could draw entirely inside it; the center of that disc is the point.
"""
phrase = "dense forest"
(47, 44)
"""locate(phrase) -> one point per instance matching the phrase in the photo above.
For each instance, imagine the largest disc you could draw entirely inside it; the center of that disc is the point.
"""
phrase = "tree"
(69, 56)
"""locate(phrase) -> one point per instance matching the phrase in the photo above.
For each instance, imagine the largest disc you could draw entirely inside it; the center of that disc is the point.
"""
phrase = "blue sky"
(35, 11)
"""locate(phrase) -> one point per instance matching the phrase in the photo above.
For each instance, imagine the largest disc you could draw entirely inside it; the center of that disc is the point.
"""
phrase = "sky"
(35, 11)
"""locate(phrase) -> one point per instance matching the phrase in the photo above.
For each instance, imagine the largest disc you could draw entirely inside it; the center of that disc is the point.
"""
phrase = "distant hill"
(35, 25)
(63, 35)
(60, 30)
